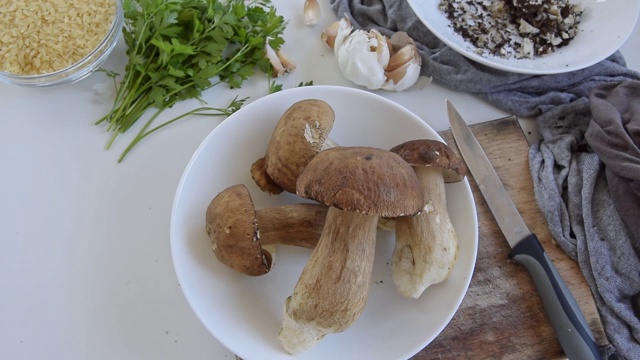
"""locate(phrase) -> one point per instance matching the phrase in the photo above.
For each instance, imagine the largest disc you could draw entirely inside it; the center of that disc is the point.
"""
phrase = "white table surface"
(85, 266)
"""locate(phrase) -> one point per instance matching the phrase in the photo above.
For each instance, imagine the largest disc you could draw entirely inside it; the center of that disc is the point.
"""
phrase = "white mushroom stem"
(332, 290)
(426, 244)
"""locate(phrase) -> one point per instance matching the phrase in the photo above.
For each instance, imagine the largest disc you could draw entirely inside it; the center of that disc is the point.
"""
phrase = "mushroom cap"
(428, 152)
(296, 139)
(231, 225)
(364, 179)
(262, 178)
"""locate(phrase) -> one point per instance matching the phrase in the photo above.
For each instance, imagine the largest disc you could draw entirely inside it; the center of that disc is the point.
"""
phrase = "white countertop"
(86, 270)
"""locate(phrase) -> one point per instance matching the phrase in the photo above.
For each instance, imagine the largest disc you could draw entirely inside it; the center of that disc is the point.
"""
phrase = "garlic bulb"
(370, 59)
(362, 56)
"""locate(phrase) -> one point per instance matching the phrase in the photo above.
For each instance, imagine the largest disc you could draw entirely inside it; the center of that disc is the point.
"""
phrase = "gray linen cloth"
(573, 185)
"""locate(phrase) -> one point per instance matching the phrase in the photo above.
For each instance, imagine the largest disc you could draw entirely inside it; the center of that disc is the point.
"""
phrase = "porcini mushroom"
(299, 135)
(240, 235)
(359, 184)
(426, 244)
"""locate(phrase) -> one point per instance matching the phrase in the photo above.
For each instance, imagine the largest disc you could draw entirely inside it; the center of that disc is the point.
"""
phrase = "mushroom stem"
(294, 225)
(332, 290)
(426, 244)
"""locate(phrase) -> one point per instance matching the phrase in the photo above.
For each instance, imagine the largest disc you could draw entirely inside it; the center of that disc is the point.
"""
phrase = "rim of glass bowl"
(80, 69)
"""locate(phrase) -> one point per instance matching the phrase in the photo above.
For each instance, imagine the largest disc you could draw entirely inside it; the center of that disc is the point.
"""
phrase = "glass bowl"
(80, 69)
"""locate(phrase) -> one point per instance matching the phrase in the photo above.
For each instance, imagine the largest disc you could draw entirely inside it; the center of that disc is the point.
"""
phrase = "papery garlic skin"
(339, 32)
(362, 56)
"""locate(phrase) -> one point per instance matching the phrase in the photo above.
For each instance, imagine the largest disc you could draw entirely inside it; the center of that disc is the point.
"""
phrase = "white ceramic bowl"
(605, 25)
(244, 313)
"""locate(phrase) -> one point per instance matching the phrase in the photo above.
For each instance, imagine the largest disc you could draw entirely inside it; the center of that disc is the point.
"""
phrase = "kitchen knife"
(565, 316)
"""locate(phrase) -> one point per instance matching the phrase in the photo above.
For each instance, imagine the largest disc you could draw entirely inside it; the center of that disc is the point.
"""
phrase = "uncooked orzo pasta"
(43, 36)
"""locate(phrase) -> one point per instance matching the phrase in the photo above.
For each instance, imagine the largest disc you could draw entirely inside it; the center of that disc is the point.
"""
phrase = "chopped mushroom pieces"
(242, 237)
(514, 29)
(359, 184)
(426, 244)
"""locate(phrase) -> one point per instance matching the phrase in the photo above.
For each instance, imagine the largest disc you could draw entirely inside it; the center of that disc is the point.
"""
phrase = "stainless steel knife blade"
(501, 205)
(563, 312)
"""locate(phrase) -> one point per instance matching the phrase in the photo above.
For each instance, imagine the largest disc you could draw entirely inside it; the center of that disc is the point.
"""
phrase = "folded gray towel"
(570, 184)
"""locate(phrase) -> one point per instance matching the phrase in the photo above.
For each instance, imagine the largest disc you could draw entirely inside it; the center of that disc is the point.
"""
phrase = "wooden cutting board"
(501, 316)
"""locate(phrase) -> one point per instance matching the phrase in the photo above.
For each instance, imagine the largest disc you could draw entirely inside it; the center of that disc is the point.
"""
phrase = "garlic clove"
(400, 39)
(276, 64)
(288, 64)
(328, 36)
(402, 56)
(311, 12)
(402, 77)
(280, 62)
(398, 73)
(404, 66)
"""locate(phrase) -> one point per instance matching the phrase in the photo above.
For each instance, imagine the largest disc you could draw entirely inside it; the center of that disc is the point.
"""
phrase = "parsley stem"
(201, 111)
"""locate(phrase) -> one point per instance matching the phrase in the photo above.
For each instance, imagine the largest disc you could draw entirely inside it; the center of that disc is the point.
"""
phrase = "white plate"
(244, 313)
(604, 27)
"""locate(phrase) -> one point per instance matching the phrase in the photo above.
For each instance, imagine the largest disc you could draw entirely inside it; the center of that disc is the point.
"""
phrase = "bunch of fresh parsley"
(179, 48)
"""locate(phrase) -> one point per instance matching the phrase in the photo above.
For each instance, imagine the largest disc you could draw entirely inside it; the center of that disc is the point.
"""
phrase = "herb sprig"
(179, 48)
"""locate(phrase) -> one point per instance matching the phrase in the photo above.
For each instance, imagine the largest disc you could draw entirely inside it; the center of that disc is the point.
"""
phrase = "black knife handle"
(565, 315)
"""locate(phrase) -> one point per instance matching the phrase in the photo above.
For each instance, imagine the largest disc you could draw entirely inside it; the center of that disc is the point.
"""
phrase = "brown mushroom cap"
(296, 139)
(262, 179)
(363, 179)
(427, 152)
(231, 225)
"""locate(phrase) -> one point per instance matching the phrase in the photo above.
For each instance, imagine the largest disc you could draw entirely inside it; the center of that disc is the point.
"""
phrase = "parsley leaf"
(179, 48)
